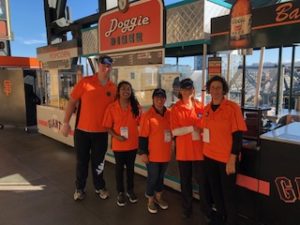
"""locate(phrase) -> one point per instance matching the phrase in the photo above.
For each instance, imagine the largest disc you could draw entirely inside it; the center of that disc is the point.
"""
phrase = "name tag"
(124, 132)
(168, 136)
(206, 137)
(195, 136)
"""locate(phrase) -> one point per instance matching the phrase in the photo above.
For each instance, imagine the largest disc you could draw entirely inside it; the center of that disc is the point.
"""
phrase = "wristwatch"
(123, 5)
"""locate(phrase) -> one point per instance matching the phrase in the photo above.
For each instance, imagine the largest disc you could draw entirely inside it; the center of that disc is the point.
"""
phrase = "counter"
(289, 134)
(273, 195)
(49, 122)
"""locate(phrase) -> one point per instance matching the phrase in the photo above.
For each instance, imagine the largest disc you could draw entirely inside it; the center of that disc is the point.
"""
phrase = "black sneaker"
(132, 197)
(121, 199)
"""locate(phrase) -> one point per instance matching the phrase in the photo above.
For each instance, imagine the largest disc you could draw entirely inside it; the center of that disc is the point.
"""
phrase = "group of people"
(207, 142)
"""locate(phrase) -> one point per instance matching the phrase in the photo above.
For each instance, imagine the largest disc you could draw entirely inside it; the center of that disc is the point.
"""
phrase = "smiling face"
(216, 91)
(104, 70)
(187, 93)
(125, 91)
(159, 102)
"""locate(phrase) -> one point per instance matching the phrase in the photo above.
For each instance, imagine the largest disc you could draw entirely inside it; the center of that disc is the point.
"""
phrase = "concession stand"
(139, 39)
(60, 74)
(134, 36)
(269, 171)
(20, 91)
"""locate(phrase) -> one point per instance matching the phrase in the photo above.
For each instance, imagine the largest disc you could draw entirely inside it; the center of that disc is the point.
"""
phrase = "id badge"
(206, 138)
(168, 136)
(124, 132)
(195, 136)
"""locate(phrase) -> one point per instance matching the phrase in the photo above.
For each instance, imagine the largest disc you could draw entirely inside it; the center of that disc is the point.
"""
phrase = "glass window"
(296, 81)
(287, 63)
(235, 76)
(144, 79)
(171, 73)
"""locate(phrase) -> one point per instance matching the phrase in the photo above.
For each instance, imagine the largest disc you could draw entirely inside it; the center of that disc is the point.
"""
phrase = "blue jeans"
(155, 178)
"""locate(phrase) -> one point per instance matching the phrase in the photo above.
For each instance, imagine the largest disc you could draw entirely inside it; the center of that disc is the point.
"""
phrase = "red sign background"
(3, 30)
(147, 15)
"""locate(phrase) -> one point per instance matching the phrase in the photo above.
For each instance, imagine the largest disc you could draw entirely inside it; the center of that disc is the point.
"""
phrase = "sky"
(28, 22)
(29, 30)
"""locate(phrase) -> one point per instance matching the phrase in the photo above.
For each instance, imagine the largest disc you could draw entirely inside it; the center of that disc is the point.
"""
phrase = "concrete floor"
(37, 185)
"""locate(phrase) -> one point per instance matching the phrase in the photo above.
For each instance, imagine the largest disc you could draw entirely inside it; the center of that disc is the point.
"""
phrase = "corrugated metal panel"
(185, 23)
(90, 41)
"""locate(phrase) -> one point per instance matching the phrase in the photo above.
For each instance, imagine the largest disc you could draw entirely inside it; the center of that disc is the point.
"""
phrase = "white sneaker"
(79, 195)
(103, 193)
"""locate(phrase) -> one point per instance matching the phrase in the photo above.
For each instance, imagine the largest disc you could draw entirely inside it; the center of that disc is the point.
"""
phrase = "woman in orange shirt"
(121, 119)
(155, 148)
(223, 124)
(185, 116)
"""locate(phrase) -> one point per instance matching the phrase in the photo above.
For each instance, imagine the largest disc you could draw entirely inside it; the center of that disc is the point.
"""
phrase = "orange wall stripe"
(253, 184)
(23, 62)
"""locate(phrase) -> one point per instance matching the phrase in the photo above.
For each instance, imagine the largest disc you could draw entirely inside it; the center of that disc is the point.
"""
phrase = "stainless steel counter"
(286, 134)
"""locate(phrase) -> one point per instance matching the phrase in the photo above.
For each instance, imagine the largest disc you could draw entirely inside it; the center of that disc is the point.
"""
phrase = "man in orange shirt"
(222, 124)
(95, 93)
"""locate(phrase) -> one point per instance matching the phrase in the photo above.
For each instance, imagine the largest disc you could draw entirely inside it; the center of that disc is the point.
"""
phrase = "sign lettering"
(138, 28)
(286, 191)
(127, 25)
(287, 11)
(7, 87)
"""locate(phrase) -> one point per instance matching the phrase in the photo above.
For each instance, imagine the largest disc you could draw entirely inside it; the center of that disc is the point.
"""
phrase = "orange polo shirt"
(226, 120)
(158, 131)
(186, 148)
(94, 100)
(115, 118)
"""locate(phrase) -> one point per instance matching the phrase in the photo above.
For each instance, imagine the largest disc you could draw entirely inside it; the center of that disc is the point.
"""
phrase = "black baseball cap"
(186, 83)
(159, 92)
(106, 60)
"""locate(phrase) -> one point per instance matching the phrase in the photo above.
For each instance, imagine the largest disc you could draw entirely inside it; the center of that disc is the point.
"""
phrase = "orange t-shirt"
(158, 131)
(94, 100)
(117, 118)
(187, 149)
(226, 120)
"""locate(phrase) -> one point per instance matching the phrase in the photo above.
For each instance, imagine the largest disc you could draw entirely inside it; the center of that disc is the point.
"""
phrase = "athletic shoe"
(161, 203)
(152, 208)
(103, 193)
(121, 199)
(132, 197)
(79, 195)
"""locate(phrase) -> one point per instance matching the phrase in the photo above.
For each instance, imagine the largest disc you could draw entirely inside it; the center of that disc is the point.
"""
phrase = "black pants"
(223, 189)
(188, 170)
(90, 145)
(126, 158)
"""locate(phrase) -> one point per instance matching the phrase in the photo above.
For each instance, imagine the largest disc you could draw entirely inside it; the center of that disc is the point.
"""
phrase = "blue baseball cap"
(106, 60)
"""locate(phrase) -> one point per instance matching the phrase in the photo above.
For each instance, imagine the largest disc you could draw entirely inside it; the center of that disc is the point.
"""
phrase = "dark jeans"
(188, 170)
(90, 145)
(123, 159)
(155, 179)
(223, 189)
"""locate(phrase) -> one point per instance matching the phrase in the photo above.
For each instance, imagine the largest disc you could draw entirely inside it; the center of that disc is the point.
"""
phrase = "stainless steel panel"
(12, 98)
